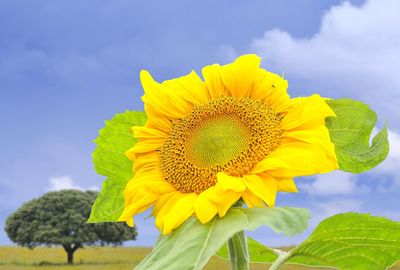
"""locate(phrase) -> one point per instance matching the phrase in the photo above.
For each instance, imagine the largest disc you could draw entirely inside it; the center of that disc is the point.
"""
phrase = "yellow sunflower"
(235, 135)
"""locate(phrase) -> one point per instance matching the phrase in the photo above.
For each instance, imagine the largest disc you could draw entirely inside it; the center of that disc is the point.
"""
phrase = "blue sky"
(65, 67)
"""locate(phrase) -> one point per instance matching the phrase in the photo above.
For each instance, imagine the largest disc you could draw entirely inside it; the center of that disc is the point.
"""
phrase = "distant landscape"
(96, 258)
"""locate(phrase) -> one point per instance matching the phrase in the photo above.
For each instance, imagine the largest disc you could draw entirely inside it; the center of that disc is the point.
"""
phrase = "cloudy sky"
(65, 67)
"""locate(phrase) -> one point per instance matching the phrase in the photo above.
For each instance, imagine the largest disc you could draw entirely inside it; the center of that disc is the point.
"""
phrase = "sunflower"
(235, 135)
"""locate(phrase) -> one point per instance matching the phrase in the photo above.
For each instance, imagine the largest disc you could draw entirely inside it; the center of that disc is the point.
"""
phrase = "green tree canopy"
(59, 218)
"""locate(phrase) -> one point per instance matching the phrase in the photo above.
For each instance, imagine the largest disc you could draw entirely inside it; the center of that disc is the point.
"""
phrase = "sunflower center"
(217, 141)
(228, 135)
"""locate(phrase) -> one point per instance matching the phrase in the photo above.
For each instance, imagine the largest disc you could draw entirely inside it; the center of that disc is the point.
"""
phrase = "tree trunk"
(70, 249)
(70, 256)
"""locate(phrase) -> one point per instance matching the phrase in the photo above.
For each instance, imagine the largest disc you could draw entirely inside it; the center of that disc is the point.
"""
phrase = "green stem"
(238, 252)
(282, 258)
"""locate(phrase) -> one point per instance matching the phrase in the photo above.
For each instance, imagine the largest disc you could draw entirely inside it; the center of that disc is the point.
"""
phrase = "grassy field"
(92, 258)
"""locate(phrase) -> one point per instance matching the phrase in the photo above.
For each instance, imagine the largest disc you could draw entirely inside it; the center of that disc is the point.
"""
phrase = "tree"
(59, 218)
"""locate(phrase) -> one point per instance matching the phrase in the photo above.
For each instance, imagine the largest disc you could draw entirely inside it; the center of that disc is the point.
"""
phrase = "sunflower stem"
(282, 258)
(238, 252)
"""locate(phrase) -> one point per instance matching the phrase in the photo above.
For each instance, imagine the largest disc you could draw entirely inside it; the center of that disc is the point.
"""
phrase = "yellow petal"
(272, 91)
(161, 202)
(140, 204)
(317, 135)
(130, 222)
(296, 159)
(146, 185)
(222, 199)
(149, 139)
(252, 200)
(146, 160)
(190, 87)
(213, 81)
(179, 213)
(144, 146)
(286, 185)
(166, 207)
(270, 163)
(145, 132)
(306, 110)
(263, 186)
(228, 182)
(175, 209)
(239, 77)
(156, 120)
(204, 209)
(167, 102)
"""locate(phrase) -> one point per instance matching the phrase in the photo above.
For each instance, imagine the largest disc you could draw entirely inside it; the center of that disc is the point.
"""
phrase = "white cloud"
(337, 206)
(335, 183)
(333, 207)
(66, 182)
(355, 53)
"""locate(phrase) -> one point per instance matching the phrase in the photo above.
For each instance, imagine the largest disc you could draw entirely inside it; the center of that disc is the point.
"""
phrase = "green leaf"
(109, 160)
(192, 244)
(350, 131)
(351, 241)
(258, 252)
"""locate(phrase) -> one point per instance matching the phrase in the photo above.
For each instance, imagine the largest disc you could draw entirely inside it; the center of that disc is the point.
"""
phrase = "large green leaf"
(351, 241)
(350, 131)
(109, 160)
(348, 241)
(192, 244)
(258, 252)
